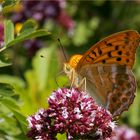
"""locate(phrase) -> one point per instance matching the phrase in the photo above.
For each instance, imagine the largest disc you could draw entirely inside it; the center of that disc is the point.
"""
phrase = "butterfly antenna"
(62, 49)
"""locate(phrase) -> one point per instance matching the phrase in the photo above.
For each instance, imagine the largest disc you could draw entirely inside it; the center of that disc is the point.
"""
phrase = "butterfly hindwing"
(112, 86)
(123, 93)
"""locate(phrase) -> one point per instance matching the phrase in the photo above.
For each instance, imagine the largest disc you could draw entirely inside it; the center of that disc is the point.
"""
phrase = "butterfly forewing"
(112, 86)
(119, 48)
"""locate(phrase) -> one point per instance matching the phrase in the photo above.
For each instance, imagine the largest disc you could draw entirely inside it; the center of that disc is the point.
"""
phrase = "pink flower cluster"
(72, 112)
(40, 125)
(125, 133)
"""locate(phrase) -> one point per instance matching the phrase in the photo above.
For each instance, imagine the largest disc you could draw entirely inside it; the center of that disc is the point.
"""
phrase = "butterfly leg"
(83, 84)
(72, 78)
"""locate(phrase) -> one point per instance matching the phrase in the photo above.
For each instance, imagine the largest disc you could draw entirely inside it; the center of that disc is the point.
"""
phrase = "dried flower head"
(75, 113)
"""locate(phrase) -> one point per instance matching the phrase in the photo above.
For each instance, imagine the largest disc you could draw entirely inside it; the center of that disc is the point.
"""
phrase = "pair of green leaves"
(29, 30)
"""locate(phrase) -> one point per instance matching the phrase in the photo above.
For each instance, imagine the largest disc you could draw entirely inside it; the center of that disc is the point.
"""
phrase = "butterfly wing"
(107, 68)
(119, 48)
(112, 86)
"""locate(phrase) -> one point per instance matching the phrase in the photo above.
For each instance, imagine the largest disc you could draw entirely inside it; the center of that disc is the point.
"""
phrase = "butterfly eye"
(67, 68)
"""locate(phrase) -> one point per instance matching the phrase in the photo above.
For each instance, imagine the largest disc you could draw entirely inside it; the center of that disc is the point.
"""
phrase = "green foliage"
(3, 64)
(28, 31)
(29, 26)
(27, 82)
(6, 90)
(8, 5)
(12, 111)
(41, 79)
(8, 31)
(61, 136)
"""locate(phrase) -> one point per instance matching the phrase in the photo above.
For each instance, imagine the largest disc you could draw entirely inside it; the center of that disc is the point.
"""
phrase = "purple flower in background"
(32, 46)
(72, 112)
(64, 20)
(42, 11)
(1, 35)
(125, 133)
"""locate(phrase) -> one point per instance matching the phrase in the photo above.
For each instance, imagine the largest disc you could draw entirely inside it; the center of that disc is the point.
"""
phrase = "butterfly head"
(74, 60)
(70, 66)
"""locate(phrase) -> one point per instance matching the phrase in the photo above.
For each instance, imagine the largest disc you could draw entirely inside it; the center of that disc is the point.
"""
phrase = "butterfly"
(105, 70)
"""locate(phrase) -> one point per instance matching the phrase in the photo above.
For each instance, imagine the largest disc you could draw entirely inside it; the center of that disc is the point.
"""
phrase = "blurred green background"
(79, 25)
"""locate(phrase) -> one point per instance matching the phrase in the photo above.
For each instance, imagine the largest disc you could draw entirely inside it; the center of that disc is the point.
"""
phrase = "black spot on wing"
(99, 51)
(117, 47)
(118, 59)
(108, 44)
(103, 61)
(127, 60)
(119, 52)
(109, 54)
(93, 53)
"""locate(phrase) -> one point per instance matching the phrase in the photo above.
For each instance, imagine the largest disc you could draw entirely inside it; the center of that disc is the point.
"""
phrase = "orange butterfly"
(106, 68)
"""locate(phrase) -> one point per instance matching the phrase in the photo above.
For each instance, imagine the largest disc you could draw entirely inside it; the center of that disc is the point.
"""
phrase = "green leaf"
(44, 70)
(12, 105)
(2, 134)
(8, 5)
(61, 136)
(42, 66)
(21, 137)
(21, 120)
(16, 82)
(8, 31)
(4, 60)
(3, 64)
(134, 118)
(6, 90)
(8, 2)
(81, 34)
(9, 103)
(29, 25)
(6, 119)
(28, 35)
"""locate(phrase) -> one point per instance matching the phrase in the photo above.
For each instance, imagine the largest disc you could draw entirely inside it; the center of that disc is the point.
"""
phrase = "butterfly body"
(107, 67)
